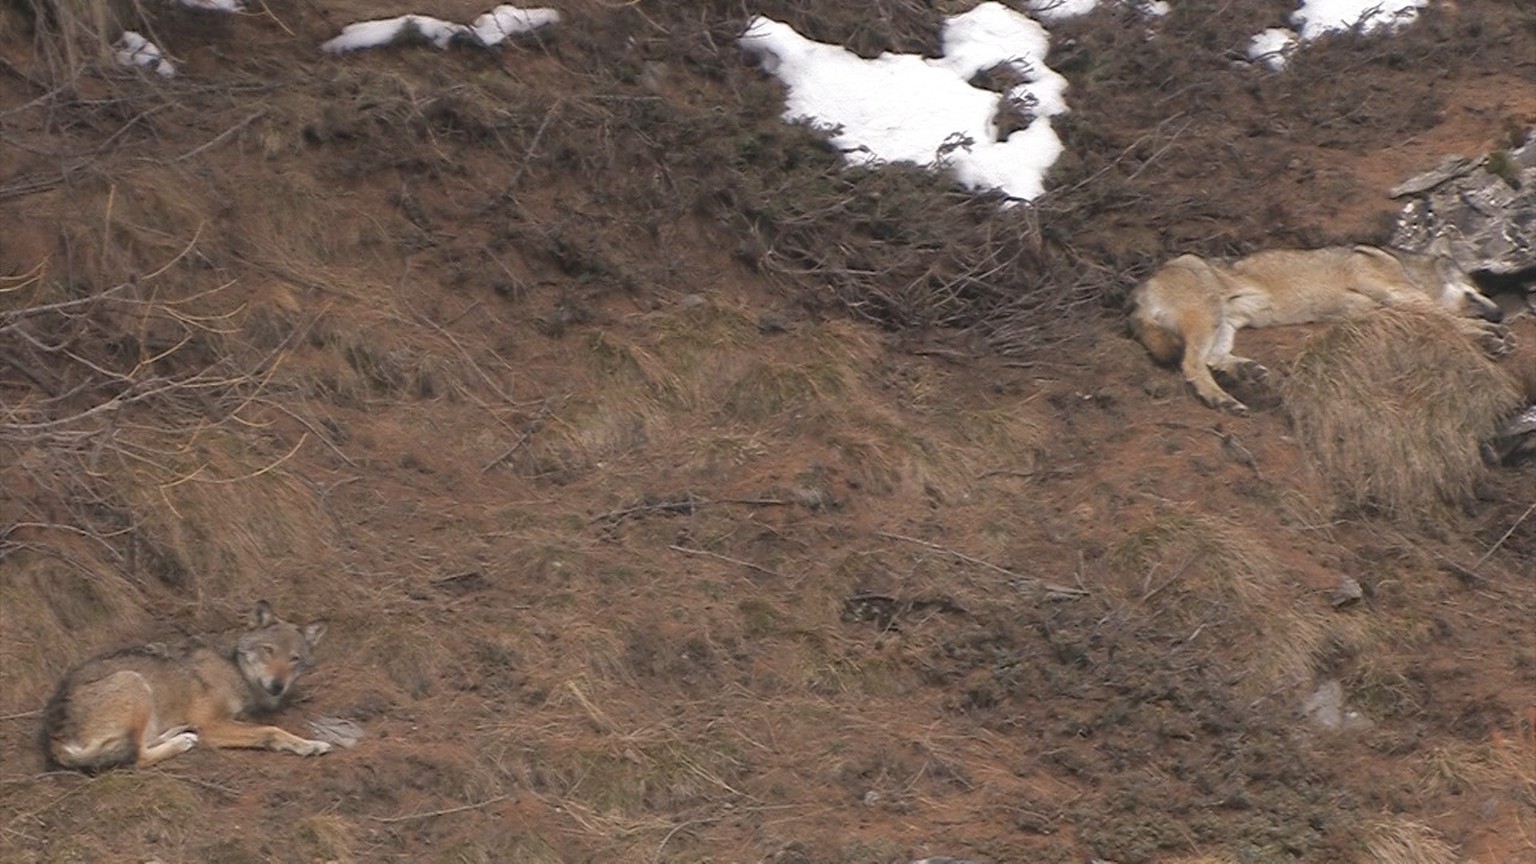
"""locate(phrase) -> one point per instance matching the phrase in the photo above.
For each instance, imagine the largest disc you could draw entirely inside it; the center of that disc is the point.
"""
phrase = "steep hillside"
(675, 493)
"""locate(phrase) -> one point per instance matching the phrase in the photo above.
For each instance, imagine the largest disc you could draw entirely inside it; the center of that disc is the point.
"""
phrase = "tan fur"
(144, 705)
(1191, 308)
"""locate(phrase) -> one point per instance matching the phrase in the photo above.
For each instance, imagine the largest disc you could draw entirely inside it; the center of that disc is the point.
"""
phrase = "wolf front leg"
(1202, 340)
(231, 734)
(171, 742)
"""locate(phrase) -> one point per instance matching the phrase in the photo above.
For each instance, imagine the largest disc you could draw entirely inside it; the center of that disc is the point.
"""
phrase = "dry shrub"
(70, 34)
(1392, 409)
(141, 466)
(1192, 578)
(705, 373)
(331, 838)
(1399, 840)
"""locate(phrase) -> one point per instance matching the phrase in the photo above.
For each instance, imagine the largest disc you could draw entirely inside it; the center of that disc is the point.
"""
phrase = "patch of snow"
(212, 5)
(504, 22)
(992, 34)
(1053, 11)
(367, 34)
(492, 28)
(904, 108)
(1318, 17)
(132, 49)
(1273, 47)
(436, 30)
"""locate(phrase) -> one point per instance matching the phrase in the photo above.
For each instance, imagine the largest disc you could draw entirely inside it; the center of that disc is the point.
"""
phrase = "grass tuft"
(1399, 840)
(1194, 577)
(1393, 408)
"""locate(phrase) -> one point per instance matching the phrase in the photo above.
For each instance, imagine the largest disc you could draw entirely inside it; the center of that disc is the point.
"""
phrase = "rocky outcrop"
(1481, 211)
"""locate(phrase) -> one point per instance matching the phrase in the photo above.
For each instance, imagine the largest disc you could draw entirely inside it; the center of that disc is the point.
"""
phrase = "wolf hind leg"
(1202, 339)
(107, 720)
(107, 751)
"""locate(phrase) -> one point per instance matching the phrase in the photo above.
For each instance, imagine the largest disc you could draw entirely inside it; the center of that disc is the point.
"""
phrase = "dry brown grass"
(583, 525)
(1400, 840)
(1192, 577)
(71, 35)
(1393, 407)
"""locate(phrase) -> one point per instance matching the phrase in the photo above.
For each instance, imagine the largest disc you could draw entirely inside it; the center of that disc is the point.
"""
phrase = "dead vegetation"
(547, 377)
(1393, 409)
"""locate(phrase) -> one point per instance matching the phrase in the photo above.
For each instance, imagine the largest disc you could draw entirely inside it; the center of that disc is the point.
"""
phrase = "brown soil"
(655, 520)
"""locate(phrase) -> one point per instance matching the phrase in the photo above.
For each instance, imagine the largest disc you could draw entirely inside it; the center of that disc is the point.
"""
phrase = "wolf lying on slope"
(1192, 308)
(144, 705)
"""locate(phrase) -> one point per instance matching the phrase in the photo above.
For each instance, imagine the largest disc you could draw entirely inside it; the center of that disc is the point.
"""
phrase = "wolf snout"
(276, 686)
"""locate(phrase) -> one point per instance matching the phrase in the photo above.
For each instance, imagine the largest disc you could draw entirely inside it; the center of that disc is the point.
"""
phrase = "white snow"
(992, 34)
(1053, 11)
(504, 22)
(213, 5)
(1273, 47)
(1318, 17)
(132, 49)
(904, 108)
(492, 28)
(367, 34)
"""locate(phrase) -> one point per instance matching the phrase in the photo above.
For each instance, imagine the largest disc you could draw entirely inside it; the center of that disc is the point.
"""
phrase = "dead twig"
(1495, 547)
(534, 425)
(687, 550)
(1049, 587)
(215, 140)
(430, 814)
(687, 504)
(522, 167)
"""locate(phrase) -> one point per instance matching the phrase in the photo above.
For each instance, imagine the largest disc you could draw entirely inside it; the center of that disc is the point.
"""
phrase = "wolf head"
(1459, 294)
(272, 653)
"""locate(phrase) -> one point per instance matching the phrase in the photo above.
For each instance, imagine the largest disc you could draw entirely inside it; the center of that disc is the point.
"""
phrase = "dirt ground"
(674, 494)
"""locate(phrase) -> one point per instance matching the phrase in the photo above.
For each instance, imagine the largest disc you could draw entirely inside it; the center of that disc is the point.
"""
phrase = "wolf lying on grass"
(144, 705)
(1192, 308)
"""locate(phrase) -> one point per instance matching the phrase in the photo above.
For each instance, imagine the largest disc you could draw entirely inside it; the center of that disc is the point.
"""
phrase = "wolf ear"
(262, 615)
(313, 632)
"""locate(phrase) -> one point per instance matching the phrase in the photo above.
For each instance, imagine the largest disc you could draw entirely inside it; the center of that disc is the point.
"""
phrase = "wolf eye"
(268, 650)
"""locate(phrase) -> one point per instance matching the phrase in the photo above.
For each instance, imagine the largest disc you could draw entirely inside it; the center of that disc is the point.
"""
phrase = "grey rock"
(1482, 212)
(1325, 709)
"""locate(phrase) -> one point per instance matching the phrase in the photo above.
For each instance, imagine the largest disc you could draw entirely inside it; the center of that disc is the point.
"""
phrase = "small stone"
(1347, 592)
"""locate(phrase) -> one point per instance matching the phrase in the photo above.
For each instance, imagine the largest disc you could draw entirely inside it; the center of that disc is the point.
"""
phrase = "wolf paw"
(1252, 371)
(181, 742)
(314, 748)
(1496, 340)
(1229, 405)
